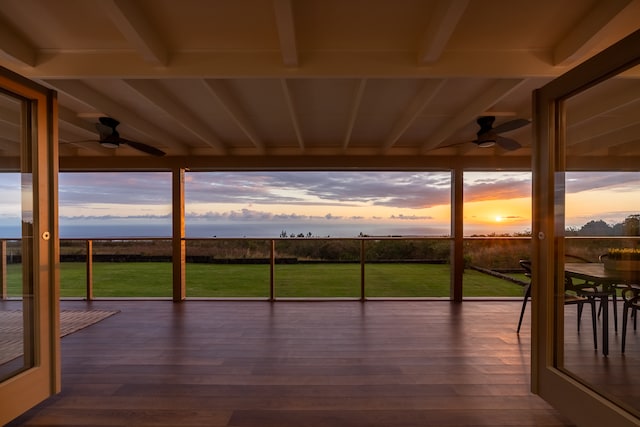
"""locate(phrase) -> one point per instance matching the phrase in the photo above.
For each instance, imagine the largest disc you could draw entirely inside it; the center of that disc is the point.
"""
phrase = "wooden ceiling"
(306, 83)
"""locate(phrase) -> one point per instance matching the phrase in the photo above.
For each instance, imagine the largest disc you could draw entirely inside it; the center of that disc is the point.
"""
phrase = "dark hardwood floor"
(246, 364)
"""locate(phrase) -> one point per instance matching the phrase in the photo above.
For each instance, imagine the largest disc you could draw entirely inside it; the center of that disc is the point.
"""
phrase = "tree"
(631, 225)
(596, 228)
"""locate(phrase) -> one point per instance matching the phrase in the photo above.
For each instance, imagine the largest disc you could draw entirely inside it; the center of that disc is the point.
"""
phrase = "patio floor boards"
(246, 364)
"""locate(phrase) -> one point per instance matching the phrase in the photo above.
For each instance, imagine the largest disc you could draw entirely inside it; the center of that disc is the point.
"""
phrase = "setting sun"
(498, 218)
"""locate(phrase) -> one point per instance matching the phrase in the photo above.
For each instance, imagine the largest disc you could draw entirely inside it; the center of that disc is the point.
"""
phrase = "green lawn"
(252, 280)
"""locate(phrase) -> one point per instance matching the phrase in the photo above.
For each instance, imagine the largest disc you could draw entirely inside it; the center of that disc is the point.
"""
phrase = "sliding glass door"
(29, 365)
(586, 170)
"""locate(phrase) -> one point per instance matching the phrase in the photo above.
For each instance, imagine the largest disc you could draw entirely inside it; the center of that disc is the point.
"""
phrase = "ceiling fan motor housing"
(486, 141)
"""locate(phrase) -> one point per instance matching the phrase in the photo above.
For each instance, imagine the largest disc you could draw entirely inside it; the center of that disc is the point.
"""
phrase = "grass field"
(153, 279)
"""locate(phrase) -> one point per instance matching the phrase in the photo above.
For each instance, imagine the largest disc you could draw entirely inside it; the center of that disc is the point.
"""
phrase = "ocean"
(258, 230)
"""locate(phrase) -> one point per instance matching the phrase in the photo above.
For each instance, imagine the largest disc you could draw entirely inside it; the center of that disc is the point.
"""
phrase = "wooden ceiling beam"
(429, 89)
(588, 32)
(84, 127)
(625, 148)
(295, 162)
(327, 163)
(442, 23)
(353, 111)
(220, 91)
(268, 64)
(133, 24)
(288, 98)
(286, 32)
(586, 111)
(615, 137)
(10, 116)
(602, 127)
(157, 95)
(15, 47)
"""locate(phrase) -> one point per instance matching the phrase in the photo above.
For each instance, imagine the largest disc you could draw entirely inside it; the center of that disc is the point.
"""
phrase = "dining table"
(606, 280)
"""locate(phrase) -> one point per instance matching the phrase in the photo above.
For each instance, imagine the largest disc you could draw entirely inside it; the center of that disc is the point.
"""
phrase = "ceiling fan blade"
(507, 143)
(143, 147)
(451, 145)
(511, 125)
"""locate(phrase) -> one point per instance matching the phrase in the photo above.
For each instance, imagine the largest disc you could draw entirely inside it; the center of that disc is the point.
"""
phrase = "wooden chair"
(614, 296)
(571, 297)
(631, 297)
(526, 266)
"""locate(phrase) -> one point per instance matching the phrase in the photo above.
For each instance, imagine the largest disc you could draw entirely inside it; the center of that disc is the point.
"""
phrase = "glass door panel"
(586, 168)
(29, 342)
(601, 218)
(17, 314)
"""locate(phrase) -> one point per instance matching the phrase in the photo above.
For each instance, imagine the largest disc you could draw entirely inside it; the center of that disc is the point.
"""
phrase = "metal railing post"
(89, 262)
(272, 261)
(362, 280)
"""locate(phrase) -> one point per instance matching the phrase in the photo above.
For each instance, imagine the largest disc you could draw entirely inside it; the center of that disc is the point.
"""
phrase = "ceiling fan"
(110, 137)
(488, 136)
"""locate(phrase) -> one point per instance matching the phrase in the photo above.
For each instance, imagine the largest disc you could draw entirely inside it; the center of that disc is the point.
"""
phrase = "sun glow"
(499, 218)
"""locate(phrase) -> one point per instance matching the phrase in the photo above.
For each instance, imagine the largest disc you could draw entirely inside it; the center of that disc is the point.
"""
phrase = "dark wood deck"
(245, 364)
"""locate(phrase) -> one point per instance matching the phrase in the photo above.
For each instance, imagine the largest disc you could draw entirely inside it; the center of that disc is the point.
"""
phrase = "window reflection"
(16, 272)
(601, 214)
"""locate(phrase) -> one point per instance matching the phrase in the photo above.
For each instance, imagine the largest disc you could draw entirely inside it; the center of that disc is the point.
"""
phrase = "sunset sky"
(339, 204)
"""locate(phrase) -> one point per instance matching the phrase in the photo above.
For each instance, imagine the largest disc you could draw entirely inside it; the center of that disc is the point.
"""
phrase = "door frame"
(31, 386)
(581, 404)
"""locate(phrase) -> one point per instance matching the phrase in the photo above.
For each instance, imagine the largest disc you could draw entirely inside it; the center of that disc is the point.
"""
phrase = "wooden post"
(89, 250)
(363, 295)
(178, 239)
(457, 245)
(3, 269)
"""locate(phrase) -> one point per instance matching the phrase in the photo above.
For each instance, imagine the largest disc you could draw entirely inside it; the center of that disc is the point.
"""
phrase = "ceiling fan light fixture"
(109, 144)
(486, 143)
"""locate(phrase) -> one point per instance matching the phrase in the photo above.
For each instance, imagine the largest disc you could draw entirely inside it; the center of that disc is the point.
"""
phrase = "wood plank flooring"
(250, 364)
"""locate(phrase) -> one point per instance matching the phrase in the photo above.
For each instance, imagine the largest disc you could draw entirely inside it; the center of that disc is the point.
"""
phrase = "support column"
(178, 239)
(457, 244)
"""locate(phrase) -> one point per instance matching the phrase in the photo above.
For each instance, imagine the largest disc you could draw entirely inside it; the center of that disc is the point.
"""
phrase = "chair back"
(526, 266)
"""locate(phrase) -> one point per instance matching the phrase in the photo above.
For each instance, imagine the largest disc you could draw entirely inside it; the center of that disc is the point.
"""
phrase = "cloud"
(240, 215)
(502, 186)
(588, 181)
(399, 189)
(411, 217)
(131, 188)
(249, 215)
(113, 217)
(410, 190)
